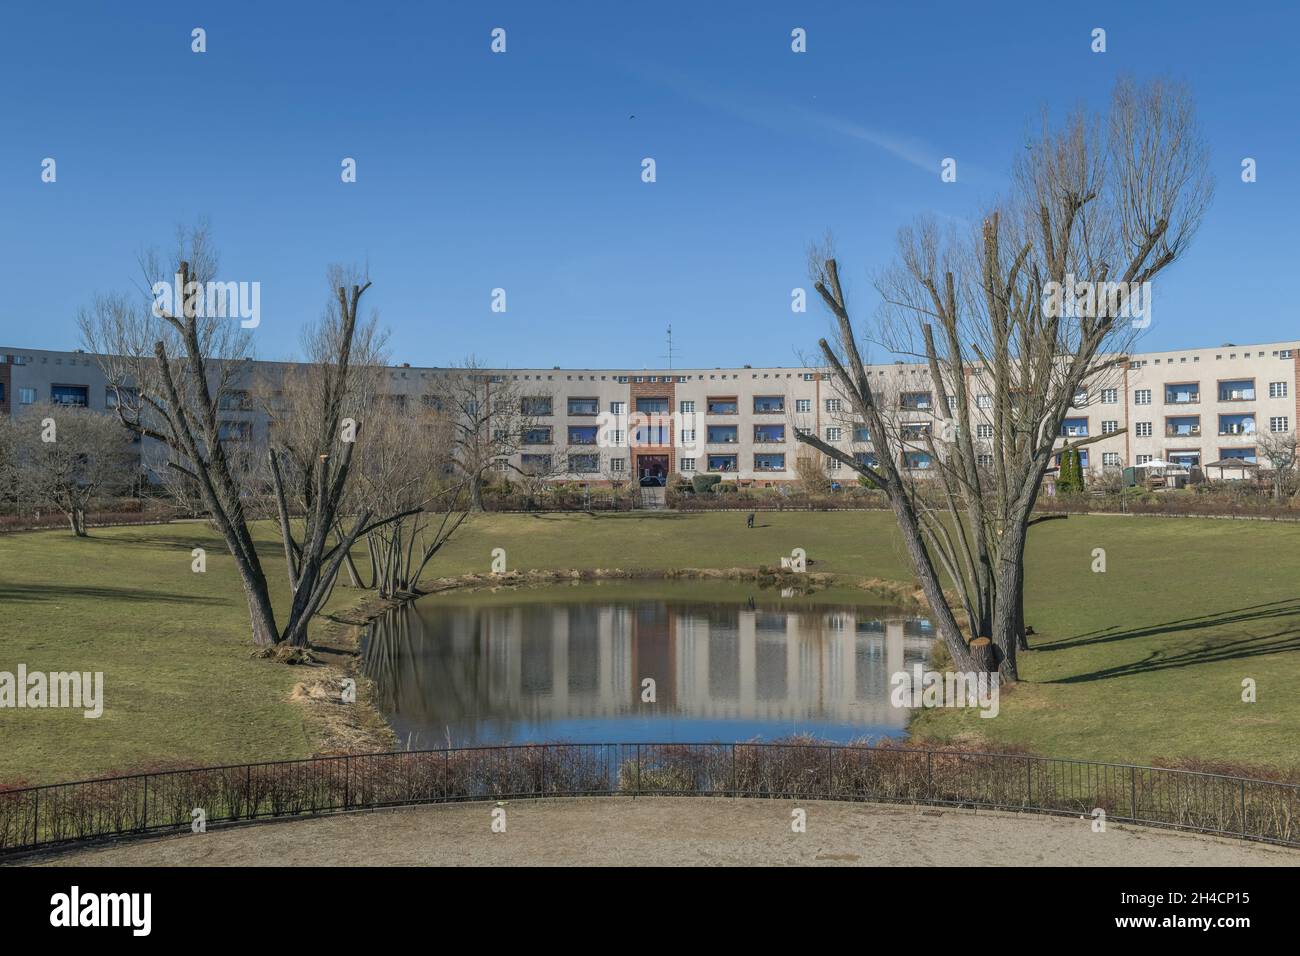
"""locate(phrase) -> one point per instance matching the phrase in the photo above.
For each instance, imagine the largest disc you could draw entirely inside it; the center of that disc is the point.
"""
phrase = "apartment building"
(1193, 407)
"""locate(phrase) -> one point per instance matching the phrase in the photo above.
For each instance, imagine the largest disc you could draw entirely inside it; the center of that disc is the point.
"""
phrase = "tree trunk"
(260, 612)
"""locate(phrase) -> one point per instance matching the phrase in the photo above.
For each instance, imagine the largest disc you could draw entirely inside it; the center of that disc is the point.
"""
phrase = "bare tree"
(406, 467)
(172, 370)
(490, 416)
(1280, 449)
(1025, 310)
(67, 458)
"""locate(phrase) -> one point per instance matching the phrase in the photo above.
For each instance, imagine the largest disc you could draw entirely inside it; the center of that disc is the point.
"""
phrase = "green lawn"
(1141, 663)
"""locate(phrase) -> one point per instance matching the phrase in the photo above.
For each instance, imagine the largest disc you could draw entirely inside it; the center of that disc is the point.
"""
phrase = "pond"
(728, 662)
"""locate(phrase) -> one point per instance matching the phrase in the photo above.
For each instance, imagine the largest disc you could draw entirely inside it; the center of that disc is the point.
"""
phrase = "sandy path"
(667, 831)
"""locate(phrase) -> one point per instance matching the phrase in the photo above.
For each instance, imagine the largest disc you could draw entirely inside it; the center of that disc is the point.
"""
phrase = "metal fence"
(54, 814)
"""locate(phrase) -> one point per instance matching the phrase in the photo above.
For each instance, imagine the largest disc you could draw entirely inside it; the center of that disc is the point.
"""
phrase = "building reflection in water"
(574, 671)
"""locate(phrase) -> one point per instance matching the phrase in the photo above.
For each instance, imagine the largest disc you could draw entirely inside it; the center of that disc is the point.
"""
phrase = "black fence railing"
(53, 814)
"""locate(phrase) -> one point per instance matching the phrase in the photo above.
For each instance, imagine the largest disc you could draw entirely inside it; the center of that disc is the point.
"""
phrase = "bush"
(702, 483)
(725, 488)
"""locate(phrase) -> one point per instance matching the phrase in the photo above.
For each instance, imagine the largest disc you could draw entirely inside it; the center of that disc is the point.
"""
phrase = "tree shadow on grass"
(35, 593)
(1237, 647)
(1255, 612)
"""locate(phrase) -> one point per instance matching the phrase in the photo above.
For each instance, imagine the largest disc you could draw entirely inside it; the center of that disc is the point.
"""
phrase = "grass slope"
(1141, 663)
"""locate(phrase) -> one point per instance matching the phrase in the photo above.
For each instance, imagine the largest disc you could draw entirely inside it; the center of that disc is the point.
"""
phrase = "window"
(723, 434)
(584, 464)
(723, 406)
(618, 408)
(585, 406)
(535, 464)
(688, 408)
(768, 434)
(1110, 459)
(653, 406)
(582, 434)
(916, 460)
(1080, 398)
(688, 436)
(984, 460)
(1109, 427)
(536, 406)
(952, 403)
(1285, 353)
(1238, 454)
(767, 462)
(1142, 430)
(722, 463)
(537, 436)
(1278, 423)
(1110, 396)
(983, 401)
(833, 405)
(1143, 459)
(769, 404)
(866, 458)
(833, 464)
(1188, 393)
(688, 464)
(1277, 389)
(834, 434)
(234, 431)
(1236, 424)
(1237, 390)
(1074, 428)
(26, 396)
(983, 431)
(70, 395)
(803, 405)
(860, 433)
(914, 401)
(235, 400)
(1142, 396)
(617, 438)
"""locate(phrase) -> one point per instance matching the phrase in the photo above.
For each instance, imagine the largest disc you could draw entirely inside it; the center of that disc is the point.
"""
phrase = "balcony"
(1238, 390)
(1074, 428)
(769, 404)
(723, 435)
(723, 406)
(769, 462)
(584, 406)
(722, 463)
(769, 434)
(582, 436)
(1182, 427)
(1230, 425)
(915, 402)
(1182, 394)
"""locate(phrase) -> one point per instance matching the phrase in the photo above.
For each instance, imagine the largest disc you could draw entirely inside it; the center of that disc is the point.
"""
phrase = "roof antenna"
(669, 356)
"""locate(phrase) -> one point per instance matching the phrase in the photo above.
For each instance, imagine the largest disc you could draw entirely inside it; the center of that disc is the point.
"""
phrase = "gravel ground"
(679, 832)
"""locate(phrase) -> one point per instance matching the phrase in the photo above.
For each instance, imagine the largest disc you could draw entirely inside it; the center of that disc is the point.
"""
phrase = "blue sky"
(522, 170)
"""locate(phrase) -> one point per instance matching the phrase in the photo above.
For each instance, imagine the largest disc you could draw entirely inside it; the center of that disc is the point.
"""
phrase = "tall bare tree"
(173, 371)
(1027, 309)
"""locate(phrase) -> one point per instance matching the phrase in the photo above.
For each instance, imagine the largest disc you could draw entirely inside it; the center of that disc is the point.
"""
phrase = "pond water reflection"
(728, 662)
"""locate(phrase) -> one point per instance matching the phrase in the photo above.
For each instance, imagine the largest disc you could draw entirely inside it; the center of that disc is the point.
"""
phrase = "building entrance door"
(652, 470)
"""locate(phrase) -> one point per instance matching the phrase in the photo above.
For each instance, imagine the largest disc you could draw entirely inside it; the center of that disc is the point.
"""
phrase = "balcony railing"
(1182, 431)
